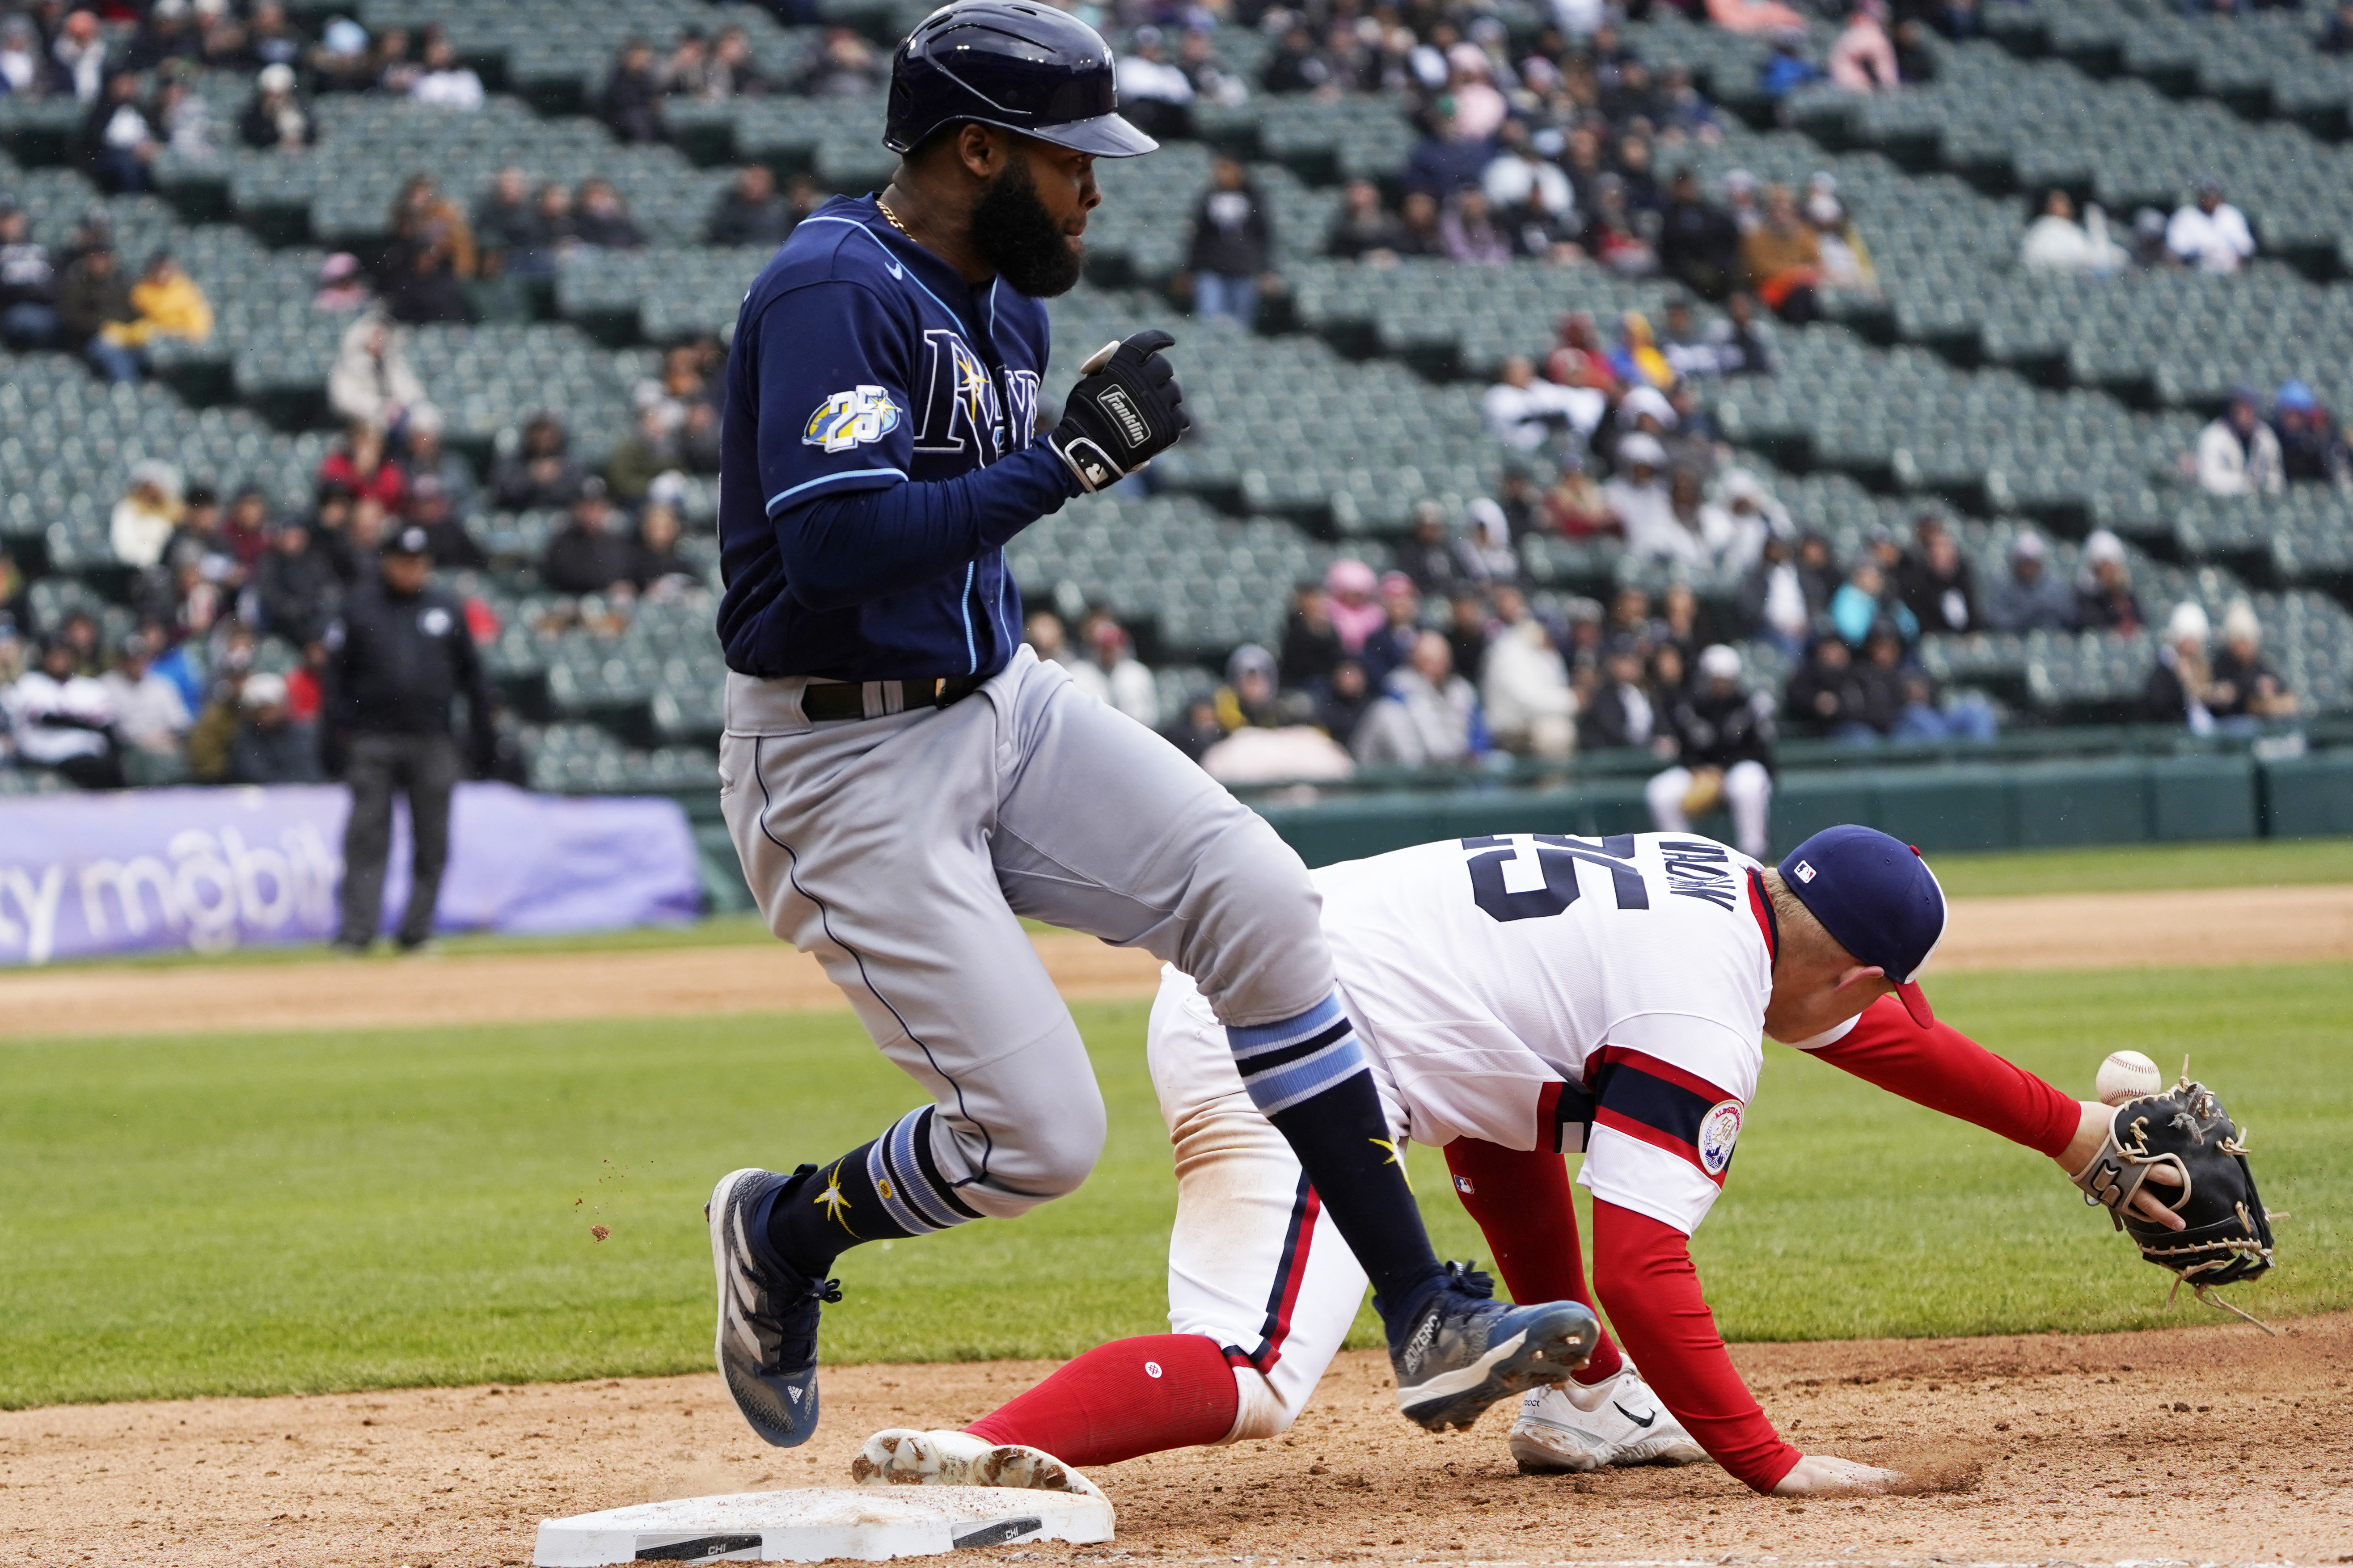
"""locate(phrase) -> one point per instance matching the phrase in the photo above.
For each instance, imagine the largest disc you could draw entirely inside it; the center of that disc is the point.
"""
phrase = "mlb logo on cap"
(1877, 898)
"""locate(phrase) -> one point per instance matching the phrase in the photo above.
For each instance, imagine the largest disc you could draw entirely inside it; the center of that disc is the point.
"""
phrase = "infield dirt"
(2209, 1443)
(2190, 927)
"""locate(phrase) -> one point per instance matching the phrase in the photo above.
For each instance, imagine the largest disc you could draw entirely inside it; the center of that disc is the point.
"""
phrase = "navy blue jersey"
(862, 362)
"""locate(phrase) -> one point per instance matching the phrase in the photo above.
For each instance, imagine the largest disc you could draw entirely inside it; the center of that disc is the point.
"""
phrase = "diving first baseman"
(903, 780)
(1521, 997)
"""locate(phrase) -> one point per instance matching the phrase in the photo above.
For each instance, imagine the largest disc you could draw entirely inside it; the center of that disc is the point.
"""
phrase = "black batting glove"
(1126, 410)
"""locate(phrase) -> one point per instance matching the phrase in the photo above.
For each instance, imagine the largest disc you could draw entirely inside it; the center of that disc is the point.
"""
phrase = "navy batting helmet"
(1026, 68)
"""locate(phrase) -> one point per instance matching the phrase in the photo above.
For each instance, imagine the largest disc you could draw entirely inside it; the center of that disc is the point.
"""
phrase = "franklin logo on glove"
(1113, 402)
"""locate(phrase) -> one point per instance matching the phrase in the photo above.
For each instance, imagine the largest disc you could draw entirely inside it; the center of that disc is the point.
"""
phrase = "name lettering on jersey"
(1700, 870)
(851, 418)
(960, 399)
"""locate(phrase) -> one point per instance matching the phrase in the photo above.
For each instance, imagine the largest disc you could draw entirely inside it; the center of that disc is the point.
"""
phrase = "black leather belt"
(826, 701)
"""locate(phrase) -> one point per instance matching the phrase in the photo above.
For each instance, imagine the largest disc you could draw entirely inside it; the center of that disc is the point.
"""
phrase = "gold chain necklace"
(891, 218)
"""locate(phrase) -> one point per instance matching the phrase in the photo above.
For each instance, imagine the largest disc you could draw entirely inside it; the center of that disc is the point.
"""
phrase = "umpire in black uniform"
(398, 657)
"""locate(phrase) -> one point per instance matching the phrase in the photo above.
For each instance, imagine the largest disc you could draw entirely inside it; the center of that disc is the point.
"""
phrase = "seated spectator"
(1297, 64)
(296, 586)
(1468, 230)
(1926, 717)
(395, 67)
(1574, 505)
(1108, 671)
(1155, 93)
(732, 72)
(1781, 258)
(2055, 242)
(1621, 712)
(1467, 629)
(842, 65)
(1529, 415)
(2312, 445)
(145, 517)
(1363, 229)
(1740, 348)
(1044, 633)
(1846, 260)
(1342, 701)
(371, 382)
(1520, 176)
(1867, 601)
(270, 747)
(2336, 38)
(447, 81)
(1427, 716)
(2209, 234)
(1638, 498)
(651, 450)
(1391, 647)
(81, 53)
(1197, 729)
(1350, 586)
(604, 221)
(2150, 253)
(1229, 258)
(1615, 236)
(276, 118)
(1936, 581)
(1772, 597)
(432, 250)
(1311, 644)
(246, 528)
(1862, 59)
(93, 297)
(1449, 158)
(538, 473)
(559, 234)
(1744, 514)
(1826, 697)
(588, 554)
(2247, 686)
(1722, 753)
(1523, 685)
(1754, 18)
(752, 212)
(2104, 600)
(1418, 232)
(151, 715)
(446, 542)
(506, 223)
(28, 294)
(1916, 62)
(1250, 698)
(655, 566)
(169, 303)
(342, 63)
(270, 38)
(1637, 363)
(2237, 454)
(631, 104)
(1787, 69)
(1689, 534)
(1687, 351)
(1486, 549)
(427, 454)
(119, 141)
(2028, 598)
(1431, 555)
(1579, 357)
(63, 721)
(360, 465)
(2180, 688)
(342, 285)
(25, 72)
(682, 75)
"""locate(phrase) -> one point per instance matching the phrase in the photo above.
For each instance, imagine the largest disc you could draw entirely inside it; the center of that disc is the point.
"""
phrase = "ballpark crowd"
(1567, 150)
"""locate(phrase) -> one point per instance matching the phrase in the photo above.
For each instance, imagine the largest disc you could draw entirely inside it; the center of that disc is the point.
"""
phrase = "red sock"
(1123, 1399)
(1521, 1202)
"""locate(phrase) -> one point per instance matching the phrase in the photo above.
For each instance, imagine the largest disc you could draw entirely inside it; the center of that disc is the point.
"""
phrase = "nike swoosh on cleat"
(1643, 1421)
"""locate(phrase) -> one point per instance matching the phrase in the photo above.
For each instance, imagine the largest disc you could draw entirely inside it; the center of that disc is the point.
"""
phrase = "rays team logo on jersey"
(1719, 1129)
(959, 402)
(851, 418)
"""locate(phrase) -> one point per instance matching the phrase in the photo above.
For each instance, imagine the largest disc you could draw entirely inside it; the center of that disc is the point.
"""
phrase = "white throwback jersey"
(1543, 991)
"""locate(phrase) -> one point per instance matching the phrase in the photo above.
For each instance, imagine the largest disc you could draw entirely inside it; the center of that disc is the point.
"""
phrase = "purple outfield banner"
(211, 869)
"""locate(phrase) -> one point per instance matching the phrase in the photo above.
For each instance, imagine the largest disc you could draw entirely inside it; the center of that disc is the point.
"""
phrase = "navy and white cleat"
(767, 1312)
(1465, 1351)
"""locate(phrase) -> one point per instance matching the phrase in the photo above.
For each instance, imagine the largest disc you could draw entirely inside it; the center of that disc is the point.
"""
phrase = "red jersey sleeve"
(1643, 1271)
(1943, 1069)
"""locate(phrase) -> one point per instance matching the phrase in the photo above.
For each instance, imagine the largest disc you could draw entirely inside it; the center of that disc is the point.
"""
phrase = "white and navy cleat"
(1619, 1421)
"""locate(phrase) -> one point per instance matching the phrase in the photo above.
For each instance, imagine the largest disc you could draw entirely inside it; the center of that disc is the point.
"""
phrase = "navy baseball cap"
(1877, 898)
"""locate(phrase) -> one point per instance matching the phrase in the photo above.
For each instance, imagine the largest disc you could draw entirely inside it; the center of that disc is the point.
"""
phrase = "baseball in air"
(2126, 1075)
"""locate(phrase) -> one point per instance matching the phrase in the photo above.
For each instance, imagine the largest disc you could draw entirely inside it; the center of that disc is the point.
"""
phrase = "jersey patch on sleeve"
(851, 418)
(1660, 1104)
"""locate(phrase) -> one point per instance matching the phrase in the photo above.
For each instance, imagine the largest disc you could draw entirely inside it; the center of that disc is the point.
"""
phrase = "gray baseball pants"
(901, 851)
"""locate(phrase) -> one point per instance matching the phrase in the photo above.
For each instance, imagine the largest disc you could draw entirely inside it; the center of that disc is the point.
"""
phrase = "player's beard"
(1015, 234)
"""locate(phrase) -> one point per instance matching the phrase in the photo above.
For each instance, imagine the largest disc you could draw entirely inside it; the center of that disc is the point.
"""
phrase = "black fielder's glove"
(1126, 410)
(2227, 1233)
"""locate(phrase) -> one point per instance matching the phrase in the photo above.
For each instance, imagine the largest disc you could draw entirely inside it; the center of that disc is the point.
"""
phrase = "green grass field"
(210, 1214)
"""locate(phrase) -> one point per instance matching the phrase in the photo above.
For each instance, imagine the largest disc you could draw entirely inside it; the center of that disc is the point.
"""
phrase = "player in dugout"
(1523, 997)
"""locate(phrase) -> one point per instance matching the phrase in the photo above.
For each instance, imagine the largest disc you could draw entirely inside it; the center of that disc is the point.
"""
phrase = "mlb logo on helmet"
(1877, 898)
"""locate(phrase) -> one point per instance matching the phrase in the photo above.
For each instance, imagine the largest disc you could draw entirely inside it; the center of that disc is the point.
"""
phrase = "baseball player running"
(1520, 997)
(903, 780)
